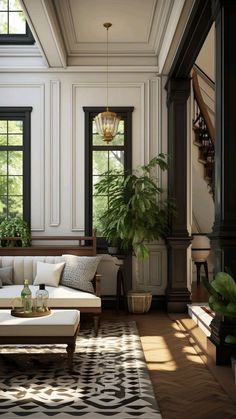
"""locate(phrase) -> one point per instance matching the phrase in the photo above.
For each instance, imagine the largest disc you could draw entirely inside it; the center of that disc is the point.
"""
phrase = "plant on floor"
(222, 298)
(14, 227)
(137, 212)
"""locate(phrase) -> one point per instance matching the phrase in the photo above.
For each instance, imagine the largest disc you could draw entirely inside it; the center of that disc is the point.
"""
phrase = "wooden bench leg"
(96, 323)
(70, 351)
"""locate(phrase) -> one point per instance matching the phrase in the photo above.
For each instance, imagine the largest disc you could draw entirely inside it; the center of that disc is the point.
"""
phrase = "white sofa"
(59, 297)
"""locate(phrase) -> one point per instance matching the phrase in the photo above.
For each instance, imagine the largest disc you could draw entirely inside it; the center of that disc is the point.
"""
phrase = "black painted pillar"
(178, 242)
(224, 231)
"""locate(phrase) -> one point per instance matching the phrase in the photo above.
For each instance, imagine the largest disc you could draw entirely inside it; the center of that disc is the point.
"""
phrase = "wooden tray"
(19, 313)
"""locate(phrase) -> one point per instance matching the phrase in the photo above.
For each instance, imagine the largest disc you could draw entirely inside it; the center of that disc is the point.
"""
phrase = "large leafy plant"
(222, 298)
(137, 212)
(15, 227)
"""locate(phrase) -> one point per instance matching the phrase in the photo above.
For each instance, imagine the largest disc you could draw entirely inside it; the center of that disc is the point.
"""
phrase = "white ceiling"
(71, 32)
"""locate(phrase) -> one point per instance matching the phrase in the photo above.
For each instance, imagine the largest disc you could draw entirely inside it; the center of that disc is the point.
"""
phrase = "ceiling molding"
(42, 19)
(82, 69)
(159, 11)
(70, 32)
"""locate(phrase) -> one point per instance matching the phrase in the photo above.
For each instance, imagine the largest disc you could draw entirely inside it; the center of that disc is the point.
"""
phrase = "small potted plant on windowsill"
(112, 239)
(136, 215)
(14, 232)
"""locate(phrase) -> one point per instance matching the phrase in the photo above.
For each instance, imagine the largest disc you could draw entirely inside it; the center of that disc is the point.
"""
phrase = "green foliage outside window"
(12, 20)
(105, 159)
(11, 169)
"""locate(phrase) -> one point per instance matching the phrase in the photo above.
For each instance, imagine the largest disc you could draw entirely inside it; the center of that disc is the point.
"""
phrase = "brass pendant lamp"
(107, 122)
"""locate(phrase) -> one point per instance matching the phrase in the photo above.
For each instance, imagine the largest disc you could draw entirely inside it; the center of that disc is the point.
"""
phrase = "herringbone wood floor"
(183, 384)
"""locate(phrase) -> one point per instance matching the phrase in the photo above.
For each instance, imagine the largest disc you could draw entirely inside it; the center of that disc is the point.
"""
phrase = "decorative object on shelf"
(107, 122)
(42, 298)
(136, 212)
(14, 232)
(26, 297)
(200, 251)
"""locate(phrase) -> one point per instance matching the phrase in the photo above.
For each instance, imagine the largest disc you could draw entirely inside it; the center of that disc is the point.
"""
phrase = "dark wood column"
(224, 231)
(178, 294)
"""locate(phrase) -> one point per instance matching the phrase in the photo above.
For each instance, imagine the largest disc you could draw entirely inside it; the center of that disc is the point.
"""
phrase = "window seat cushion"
(58, 296)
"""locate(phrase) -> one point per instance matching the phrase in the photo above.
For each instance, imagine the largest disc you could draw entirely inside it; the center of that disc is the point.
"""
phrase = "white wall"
(206, 57)
(57, 142)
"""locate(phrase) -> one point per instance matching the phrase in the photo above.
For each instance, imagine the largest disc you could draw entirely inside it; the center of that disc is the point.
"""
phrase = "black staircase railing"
(204, 135)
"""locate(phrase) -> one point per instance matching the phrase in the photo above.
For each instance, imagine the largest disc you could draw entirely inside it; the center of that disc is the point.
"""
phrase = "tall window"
(13, 26)
(100, 158)
(15, 163)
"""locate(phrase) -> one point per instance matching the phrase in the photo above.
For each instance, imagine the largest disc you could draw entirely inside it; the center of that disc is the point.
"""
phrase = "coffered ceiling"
(71, 32)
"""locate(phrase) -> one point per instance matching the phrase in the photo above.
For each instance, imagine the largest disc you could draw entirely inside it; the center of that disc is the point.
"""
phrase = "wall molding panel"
(153, 271)
(39, 225)
(55, 152)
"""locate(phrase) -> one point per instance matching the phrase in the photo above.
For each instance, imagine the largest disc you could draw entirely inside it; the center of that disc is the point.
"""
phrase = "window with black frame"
(100, 158)
(13, 26)
(15, 163)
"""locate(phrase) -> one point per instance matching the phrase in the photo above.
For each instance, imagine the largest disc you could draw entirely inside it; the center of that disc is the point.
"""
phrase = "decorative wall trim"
(83, 69)
(76, 205)
(153, 271)
(41, 221)
(55, 152)
(154, 119)
(142, 121)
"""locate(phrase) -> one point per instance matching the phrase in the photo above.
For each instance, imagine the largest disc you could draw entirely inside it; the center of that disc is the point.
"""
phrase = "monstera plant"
(222, 299)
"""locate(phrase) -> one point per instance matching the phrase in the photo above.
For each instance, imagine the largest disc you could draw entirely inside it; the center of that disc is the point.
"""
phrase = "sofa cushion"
(59, 297)
(6, 276)
(79, 271)
(48, 273)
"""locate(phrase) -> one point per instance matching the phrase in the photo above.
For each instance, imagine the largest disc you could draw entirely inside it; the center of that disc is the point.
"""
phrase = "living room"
(56, 78)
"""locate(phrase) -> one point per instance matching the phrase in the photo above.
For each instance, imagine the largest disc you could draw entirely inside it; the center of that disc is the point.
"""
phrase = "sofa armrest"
(97, 284)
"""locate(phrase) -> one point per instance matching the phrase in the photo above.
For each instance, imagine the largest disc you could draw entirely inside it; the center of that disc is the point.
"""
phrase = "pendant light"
(107, 122)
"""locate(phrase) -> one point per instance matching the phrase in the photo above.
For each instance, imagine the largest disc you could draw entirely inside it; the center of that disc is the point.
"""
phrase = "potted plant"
(222, 299)
(113, 241)
(13, 228)
(137, 212)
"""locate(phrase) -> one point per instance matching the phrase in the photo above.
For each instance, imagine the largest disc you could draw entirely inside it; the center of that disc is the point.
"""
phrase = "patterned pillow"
(79, 272)
(6, 276)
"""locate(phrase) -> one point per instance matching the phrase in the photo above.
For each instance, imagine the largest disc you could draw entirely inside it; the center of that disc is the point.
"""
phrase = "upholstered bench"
(59, 327)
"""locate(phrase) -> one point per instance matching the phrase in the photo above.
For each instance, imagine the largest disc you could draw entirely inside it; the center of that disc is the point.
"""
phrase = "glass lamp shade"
(200, 248)
(107, 125)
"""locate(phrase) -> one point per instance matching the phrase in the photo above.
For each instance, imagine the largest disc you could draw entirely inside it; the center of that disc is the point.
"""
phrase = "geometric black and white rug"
(109, 378)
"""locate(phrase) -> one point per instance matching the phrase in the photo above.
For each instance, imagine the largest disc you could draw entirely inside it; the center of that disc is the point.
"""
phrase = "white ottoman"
(61, 326)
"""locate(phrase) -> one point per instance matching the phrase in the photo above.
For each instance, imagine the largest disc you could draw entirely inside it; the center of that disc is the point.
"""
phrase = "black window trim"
(18, 38)
(23, 113)
(90, 112)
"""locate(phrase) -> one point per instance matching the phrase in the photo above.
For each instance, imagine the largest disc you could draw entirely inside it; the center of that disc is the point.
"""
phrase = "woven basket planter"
(139, 301)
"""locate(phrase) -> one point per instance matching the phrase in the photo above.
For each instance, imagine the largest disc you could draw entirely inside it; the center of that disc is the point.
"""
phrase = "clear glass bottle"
(26, 297)
(42, 298)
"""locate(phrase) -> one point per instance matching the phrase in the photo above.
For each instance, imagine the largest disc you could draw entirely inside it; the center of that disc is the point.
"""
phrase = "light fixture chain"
(107, 68)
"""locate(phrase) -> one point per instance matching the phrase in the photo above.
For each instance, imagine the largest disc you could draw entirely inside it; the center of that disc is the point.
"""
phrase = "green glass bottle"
(26, 297)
